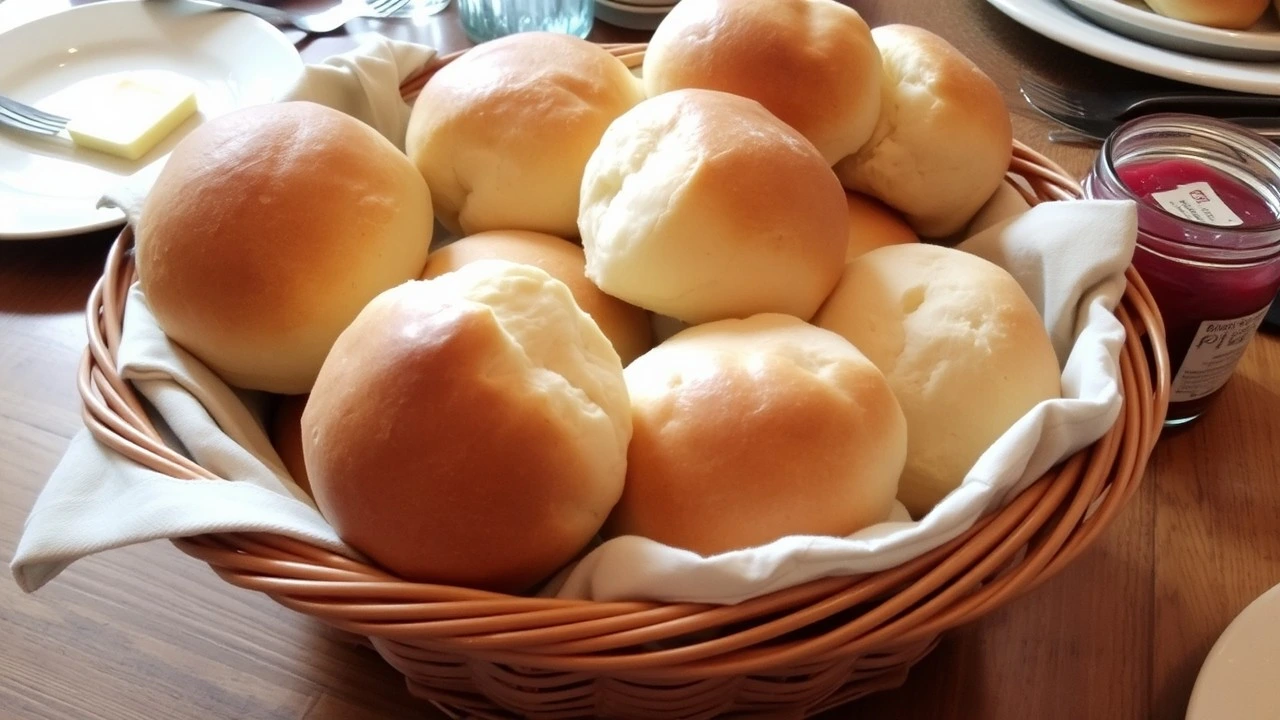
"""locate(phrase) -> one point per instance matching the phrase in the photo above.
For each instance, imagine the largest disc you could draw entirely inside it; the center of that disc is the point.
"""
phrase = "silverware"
(1092, 131)
(1091, 116)
(319, 22)
(1124, 104)
(23, 117)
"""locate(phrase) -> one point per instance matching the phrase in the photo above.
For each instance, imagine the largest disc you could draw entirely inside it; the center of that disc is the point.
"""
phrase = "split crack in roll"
(470, 429)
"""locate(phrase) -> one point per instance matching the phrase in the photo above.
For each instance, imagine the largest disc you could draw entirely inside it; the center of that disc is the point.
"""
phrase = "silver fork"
(1092, 131)
(21, 116)
(1057, 101)
(319, 22)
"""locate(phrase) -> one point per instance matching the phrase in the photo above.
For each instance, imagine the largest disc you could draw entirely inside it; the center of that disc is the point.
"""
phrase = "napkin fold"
(1069, 257)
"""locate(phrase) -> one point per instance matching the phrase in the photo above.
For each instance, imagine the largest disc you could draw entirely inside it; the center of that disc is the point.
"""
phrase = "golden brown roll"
(701, 205)
(1230, 14)
(746, 431)
(503, 133)
(961, 345)
(810, 62)
(944, 138)
(469, 430)
(267, 231)
(872, 225)
(626, 326)
(286, 437)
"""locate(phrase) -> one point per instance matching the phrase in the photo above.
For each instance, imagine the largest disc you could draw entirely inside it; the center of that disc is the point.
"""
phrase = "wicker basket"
(793, 653)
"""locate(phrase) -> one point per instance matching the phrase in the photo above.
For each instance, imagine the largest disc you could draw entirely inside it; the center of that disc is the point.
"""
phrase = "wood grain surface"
(146, 632)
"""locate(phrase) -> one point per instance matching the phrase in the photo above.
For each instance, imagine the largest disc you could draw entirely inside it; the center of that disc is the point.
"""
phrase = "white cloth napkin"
(1070, 257)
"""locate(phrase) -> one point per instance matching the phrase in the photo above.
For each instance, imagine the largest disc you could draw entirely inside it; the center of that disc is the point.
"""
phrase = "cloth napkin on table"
(98, 500)
(1070, 257)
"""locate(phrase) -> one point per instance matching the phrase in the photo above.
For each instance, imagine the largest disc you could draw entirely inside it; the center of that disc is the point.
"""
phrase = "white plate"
(59, 62)
(1053, 20)
(1135, 19)
(1240, 678)
(634, 17)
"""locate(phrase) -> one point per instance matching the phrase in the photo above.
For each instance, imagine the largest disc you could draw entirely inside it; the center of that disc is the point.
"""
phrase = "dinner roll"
(810, 62)
(746, 431)
(962, 346)
(944, 139)
(469, 430)
(701, 205)
(873, 225)
(266, 232)
(503, 132)
(626, 326)
(286, 437)
(1230, 14)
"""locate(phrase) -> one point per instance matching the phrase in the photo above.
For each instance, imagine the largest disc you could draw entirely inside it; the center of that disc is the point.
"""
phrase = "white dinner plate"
(61, 62)
(1135, 19)
(1240, 678)
(634, 15)
(1053, 20)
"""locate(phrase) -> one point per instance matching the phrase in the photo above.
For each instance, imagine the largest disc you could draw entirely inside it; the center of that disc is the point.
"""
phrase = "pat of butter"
(133, 118)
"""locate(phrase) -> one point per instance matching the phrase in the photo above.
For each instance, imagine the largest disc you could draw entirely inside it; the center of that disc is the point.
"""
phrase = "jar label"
(1197, 201)
(1212, 357)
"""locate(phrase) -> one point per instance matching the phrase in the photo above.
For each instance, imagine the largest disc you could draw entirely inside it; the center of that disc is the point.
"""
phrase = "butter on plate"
(134, 117)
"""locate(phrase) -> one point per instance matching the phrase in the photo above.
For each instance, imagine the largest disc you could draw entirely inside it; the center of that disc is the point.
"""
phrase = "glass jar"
(1208, 196)
(485, 20)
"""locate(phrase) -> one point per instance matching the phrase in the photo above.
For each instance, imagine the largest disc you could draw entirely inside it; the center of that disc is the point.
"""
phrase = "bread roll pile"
(771, 196)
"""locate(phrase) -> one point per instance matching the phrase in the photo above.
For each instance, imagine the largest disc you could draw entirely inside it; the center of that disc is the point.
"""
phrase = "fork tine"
(1039, 93)
(32, 116)
(22, 122)
(37, 113)
(387, 7)
(1050, 97)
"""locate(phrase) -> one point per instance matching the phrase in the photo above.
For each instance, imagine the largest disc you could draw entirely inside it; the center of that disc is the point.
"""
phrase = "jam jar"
(1208, 200)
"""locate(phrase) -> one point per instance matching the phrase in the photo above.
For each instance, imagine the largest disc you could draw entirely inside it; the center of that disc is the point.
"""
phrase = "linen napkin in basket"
(1070, 257)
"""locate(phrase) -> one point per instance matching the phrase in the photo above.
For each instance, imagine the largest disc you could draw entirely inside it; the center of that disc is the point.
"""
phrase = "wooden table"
(146, 632)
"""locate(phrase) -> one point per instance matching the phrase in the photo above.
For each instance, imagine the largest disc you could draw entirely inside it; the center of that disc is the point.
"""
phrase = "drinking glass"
(489, 19)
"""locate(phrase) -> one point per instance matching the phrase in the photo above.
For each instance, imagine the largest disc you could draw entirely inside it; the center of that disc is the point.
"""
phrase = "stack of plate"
(1128, 33)
(1134, 19)
(634, 14)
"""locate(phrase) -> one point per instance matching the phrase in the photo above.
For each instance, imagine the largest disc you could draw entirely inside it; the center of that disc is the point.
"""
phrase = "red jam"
(1208, 240)
(1147, 177)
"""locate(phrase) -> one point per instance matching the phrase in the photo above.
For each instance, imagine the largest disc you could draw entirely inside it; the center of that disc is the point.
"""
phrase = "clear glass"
(1210, 280)
(485, 20)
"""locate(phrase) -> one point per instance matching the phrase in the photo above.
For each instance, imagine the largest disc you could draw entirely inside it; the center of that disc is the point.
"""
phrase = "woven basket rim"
(1007, 553)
